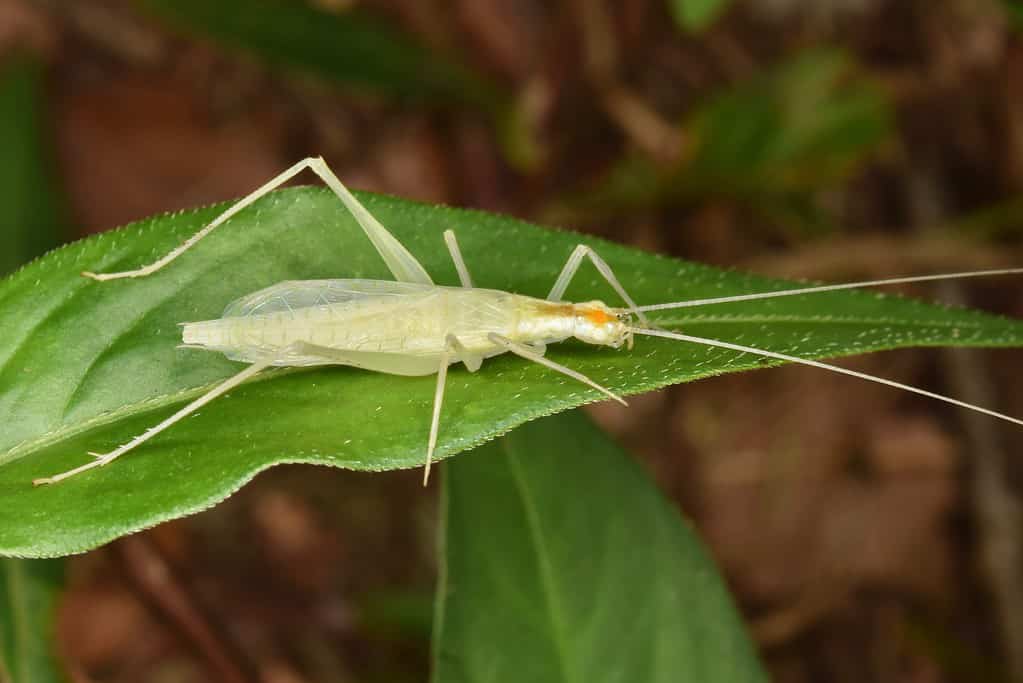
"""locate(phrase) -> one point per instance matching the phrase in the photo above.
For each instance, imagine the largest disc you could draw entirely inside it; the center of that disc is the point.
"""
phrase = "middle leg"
(456, 256)
(453, 350)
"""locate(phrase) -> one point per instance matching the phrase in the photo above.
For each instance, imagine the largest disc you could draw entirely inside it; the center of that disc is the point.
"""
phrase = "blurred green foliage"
(349, 48)
(29, 225)
(1015, 9)
(999, 221)
(354, 50)
(772, 142)
(805, 125)
(29, 208)
(696, 15)
(28, 597)
(398, 613)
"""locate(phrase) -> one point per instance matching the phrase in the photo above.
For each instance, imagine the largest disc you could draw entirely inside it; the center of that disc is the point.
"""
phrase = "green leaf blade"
(804, 124)
(89, 365)
(29, 206)
(541, 586)
(28, 597)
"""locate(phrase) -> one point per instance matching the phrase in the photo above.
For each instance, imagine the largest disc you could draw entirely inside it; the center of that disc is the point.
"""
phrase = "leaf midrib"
(155, 403)
(826, 318)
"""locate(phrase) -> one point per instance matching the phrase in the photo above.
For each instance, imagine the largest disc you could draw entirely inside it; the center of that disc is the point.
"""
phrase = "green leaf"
(354, 50)
(803, 125)
(30, 225)
(28, 596)
(86, 365)
(696, 15)
(350, 48)
(1015, 9)
(562, 562)
(29, 216)
(771, 142)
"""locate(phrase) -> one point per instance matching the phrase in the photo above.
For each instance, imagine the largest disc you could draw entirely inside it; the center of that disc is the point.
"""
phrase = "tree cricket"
(411, 326)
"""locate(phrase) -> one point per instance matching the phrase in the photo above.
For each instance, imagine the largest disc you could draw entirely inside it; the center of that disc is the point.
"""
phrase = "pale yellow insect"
(411, 326)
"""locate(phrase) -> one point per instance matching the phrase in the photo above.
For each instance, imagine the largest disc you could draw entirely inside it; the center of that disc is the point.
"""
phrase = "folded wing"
(292, 295)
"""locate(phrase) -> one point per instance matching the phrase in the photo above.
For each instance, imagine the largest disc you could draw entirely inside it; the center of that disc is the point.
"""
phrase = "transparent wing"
(295, 294)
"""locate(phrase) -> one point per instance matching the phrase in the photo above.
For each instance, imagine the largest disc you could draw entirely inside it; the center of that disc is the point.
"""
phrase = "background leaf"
(803, 124)
(86, 365)
(355, 50)
(608, 585)
(1015, 8)
(29, 214)
(30, 223)
(696, 15)
(771, 142)
(28, 596)
(350, 47)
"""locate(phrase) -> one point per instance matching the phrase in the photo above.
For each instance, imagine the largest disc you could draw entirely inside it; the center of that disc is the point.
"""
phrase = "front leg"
(572, 265)
(530, 353)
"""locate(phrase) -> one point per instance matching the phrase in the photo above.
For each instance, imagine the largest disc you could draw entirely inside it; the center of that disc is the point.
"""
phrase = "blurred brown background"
(868, 535)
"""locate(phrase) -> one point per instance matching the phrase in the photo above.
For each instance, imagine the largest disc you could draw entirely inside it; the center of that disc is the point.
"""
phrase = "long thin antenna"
(824, 366)
(828, 288)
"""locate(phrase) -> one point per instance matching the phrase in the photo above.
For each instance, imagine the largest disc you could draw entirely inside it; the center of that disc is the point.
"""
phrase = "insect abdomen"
(413, 325)
(210, 333)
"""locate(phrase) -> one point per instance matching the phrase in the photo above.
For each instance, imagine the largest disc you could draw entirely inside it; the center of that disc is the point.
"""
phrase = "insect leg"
(472, 361)
(438, 401)
(401, 263)
(101, 459)
(456, 256)
(529, 354)
(572, 265)
(270, 185)
(454, 351)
